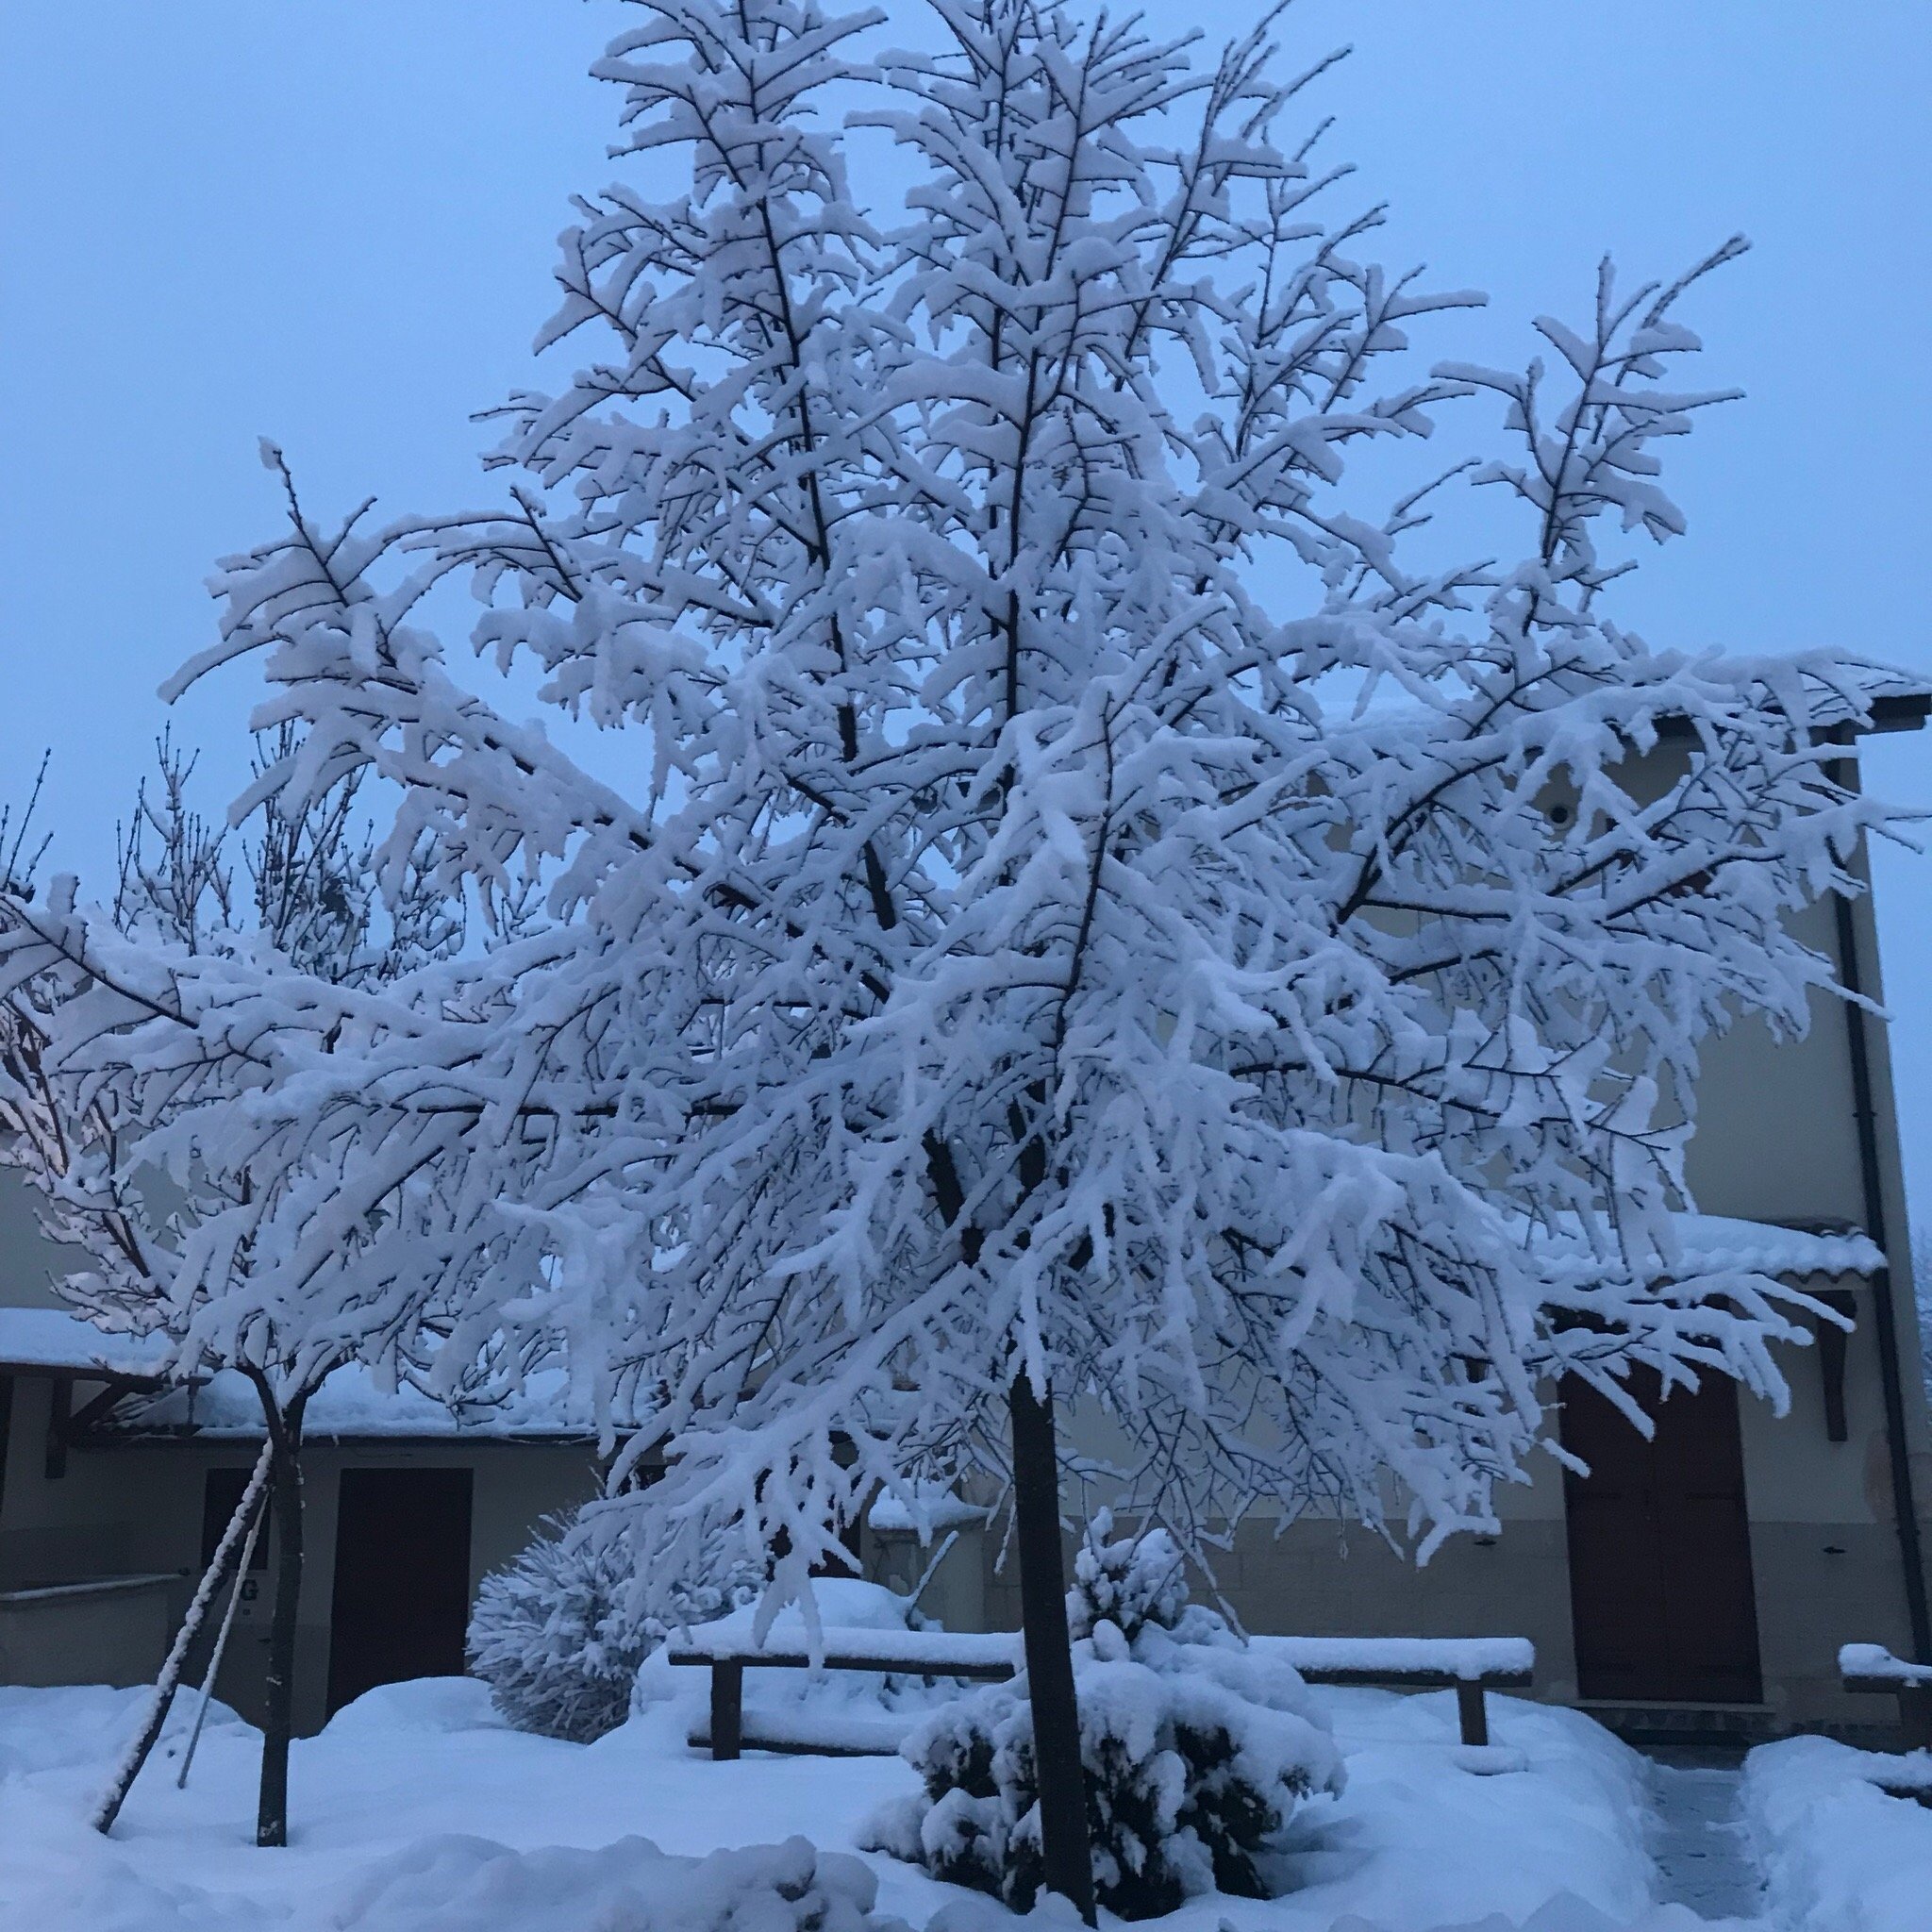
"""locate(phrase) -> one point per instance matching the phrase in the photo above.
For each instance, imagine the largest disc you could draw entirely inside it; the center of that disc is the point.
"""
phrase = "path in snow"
(1703, 1859)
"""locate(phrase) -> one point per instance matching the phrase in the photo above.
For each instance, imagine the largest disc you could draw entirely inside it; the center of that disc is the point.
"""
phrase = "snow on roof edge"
(1772, 1249)
(349, 1407)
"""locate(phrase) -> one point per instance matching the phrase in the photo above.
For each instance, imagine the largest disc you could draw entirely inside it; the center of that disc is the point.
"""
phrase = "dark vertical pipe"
(6, 1434)
(1061, 1779)
(60, 1407)
(1891, 1382)
(1830, 1344)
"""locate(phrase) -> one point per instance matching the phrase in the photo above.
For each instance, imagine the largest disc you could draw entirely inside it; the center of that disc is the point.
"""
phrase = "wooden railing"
(1469, 1666)
(1869, 1667)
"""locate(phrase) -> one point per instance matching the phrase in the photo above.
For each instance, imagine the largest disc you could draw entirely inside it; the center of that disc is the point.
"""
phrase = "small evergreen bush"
(1196, 1751)
(558, 1633)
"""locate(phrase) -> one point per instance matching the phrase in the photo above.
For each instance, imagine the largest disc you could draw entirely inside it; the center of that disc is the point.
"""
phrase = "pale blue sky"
(331, 223)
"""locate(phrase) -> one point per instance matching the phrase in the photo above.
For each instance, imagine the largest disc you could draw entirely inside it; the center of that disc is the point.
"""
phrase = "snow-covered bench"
(1902, 1777)
(1872, 1667)
(903, 1653)
(1469, 1666)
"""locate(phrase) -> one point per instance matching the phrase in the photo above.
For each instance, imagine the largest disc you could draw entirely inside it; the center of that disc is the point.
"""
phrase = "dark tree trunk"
(1049, 1650)
(285, 1500)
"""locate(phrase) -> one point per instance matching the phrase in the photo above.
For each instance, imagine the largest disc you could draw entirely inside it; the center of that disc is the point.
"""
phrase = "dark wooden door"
(1660, 1586)
(402, 1588)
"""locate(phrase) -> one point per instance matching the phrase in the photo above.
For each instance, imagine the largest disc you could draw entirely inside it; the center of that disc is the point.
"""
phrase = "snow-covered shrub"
(558, 1633)
(1128, 1582)
(1196, 1750)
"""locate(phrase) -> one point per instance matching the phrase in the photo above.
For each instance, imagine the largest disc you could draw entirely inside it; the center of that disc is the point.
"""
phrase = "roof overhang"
(1905, 712)
(1890, 711)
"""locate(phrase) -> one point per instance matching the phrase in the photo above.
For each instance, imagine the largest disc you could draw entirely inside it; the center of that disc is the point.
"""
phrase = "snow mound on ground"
(1839, 1854)
(420, 1704)
(1417, 1843)
(458, 1884)
(59, 1874)
(45, 1729)
(65, 1726)
(1566, 1912)
(116, 1898)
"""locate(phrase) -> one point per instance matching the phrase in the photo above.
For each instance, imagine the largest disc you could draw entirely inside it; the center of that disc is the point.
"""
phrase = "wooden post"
(728, 1709)
(1915, 1715)
(1473, 1712)
(1062, 1781)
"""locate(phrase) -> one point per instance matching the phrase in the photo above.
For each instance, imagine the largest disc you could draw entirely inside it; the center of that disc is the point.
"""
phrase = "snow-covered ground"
(418, 1810)
(418, 1793)
(1838, 1853)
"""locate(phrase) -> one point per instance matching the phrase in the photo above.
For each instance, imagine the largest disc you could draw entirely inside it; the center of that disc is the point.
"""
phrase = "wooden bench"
(1901, 1778)
(1469, 1666)
(897, 1653)
(1869, 1667)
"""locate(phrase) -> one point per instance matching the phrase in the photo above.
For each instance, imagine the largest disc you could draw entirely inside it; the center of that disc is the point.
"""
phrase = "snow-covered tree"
(1091, 917)
(558, 1633)
(113, 1153)
(1195, 1750)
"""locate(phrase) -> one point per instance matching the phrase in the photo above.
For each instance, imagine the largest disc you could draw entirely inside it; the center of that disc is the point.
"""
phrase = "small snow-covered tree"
(558, 1633)
(1195, 1750)
(113, 1150)
(1091, 917)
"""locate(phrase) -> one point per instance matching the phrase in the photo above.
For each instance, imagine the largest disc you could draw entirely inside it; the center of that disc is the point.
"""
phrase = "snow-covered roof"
(1895, 702)
(351, 1406)
(1773, 1250)
(53, 1339)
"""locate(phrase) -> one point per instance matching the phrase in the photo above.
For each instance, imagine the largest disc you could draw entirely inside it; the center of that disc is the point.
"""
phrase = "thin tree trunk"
(285, 1500)
(1049, 1650)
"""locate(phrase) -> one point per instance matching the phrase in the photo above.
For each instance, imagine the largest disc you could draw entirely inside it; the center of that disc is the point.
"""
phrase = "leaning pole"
(162, 1696)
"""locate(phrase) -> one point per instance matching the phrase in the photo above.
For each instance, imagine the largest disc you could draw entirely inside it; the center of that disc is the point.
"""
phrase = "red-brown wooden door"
(1661, 1595)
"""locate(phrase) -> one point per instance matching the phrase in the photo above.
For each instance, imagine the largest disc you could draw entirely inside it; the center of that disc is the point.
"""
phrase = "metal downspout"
(1904, 1510)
